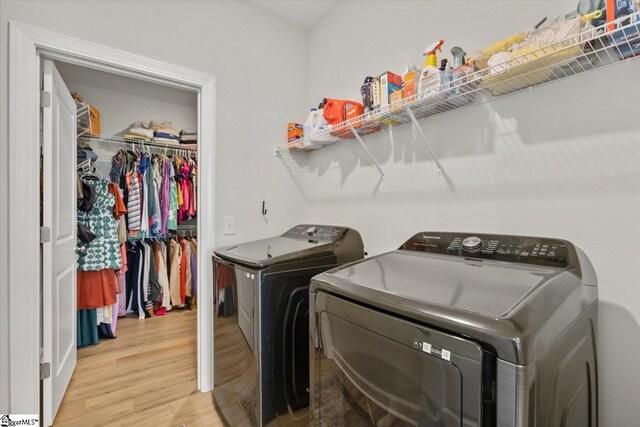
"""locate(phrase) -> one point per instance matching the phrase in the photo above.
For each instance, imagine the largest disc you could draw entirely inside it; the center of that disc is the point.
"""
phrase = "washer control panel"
(316, 232)
(521, 249)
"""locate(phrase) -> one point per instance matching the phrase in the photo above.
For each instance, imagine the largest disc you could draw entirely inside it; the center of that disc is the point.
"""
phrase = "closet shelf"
(140, 143)
(594, 48)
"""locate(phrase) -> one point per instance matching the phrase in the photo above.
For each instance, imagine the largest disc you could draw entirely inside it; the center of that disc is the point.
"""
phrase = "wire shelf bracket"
(424, 138)
(373, 160)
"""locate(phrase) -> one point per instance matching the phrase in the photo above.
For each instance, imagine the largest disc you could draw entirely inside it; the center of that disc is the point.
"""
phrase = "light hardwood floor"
(145, 377)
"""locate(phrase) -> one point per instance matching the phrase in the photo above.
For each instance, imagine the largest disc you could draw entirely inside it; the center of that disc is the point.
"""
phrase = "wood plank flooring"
(145, 377)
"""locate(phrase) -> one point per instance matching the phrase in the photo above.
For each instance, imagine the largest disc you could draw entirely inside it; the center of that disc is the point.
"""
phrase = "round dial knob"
(312, 230)
(472, 243)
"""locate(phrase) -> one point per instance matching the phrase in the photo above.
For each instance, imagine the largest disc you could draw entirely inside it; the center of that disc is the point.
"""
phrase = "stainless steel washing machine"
(457, 329)
(261, 352)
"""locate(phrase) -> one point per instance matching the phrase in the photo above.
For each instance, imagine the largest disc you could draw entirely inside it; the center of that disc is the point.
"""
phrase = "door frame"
(26, 46)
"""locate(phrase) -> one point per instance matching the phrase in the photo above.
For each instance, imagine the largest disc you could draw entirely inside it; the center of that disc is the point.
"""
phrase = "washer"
(457, 329)
(261, 343)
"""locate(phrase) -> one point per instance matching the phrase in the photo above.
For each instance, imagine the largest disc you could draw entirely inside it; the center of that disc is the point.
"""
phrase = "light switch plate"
(229, 226)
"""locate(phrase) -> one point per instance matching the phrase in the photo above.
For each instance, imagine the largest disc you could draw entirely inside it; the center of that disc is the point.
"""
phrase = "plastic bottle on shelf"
(314, 126)
(460, 69)
(430, 77)
(309, 124)
(446, 75)
(309, 128)
(409, 81)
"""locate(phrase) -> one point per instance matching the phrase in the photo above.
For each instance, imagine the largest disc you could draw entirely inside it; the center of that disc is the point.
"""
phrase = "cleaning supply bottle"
(459, 71)
(310, 128)
(409, 79)
(321, 126)
(310, 123)
(446, 76)
(429, 78)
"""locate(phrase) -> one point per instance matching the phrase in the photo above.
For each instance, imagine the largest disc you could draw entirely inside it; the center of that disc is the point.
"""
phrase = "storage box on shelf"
(88, 117)
(587, 50)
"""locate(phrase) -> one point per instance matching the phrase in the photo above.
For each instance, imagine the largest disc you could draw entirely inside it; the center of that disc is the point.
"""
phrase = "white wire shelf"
(593, 48)
(115, 139)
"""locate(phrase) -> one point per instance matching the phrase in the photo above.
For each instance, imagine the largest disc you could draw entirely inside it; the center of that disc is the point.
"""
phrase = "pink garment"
(191, 208)
(186, 191)
(120, 307)
(161, 312)
(123, 253)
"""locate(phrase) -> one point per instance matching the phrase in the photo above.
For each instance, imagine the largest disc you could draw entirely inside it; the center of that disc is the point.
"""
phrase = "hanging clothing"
(175, 256)
(96, 288)
(87, 330)
(103, 251)
(121, 297)
(159, 191)
(165, 194)
(172, 221)
(183, 272)
(163, 279)
(135, 259)
(134, 200)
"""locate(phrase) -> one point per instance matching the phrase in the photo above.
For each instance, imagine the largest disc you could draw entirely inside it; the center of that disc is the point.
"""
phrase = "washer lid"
(486, 288)
(274, 250)
(512, 300)
(302, 242)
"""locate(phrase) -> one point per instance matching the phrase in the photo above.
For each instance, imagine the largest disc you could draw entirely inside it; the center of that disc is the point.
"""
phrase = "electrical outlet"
(229, 226)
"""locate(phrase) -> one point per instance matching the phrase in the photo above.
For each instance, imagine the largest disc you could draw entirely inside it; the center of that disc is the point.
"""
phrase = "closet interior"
(137, 200)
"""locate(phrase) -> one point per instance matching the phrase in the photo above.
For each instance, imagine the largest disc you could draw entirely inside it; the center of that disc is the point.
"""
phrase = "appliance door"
(284, 349)
(236, 376)
(370, 368)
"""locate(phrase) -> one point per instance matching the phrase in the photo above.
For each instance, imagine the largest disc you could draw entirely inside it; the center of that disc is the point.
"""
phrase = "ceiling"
(303, 13)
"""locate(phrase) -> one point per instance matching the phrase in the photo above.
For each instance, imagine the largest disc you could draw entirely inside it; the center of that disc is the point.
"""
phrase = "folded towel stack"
(165, 133)
(189, 138)
(139, 131)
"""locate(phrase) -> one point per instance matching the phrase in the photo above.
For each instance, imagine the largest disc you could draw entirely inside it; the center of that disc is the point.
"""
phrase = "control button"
(472, 243)
(312, 230)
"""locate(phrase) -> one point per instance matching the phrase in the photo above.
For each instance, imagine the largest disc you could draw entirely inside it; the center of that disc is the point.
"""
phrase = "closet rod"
(122, 141)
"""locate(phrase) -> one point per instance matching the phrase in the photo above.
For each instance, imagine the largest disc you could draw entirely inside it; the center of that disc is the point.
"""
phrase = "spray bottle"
(429, 78)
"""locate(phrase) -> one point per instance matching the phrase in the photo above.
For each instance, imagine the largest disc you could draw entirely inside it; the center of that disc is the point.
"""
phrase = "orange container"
(339, 110)
(336, 111)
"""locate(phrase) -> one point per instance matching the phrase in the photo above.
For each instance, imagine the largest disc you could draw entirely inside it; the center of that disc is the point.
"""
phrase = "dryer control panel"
(316, 232)
(521, 249)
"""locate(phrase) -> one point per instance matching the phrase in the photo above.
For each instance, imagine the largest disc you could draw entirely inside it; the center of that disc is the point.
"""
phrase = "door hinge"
(45, 234)
(45, 370)
(45, 99)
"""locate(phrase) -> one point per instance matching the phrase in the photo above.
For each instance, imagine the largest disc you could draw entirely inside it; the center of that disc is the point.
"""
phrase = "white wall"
(123, 100)
(560, 160)
(250, 52)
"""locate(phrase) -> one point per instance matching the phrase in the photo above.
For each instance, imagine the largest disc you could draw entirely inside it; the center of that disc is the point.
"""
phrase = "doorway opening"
(37, 304)
(136, 247)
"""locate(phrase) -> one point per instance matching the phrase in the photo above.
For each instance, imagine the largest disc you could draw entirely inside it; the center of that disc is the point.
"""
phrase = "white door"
(58, 254)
